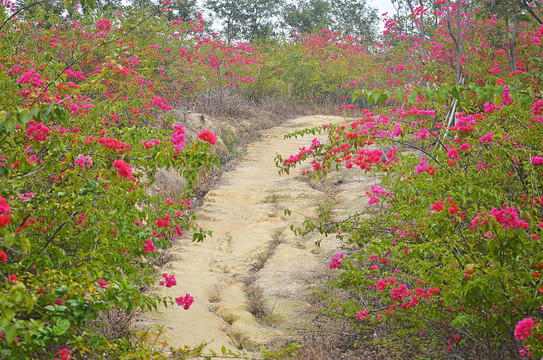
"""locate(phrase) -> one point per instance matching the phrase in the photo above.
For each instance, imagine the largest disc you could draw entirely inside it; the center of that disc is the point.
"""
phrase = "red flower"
(437, 206)
(103, 284)
(123, 168)
(5, 212)
(208, 136)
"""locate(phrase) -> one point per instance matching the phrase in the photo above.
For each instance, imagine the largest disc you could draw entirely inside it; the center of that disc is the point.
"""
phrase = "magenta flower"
(336, 261)
(103, 25)
(524, 328)
(124, 168)
(149, 246)
(185, 301)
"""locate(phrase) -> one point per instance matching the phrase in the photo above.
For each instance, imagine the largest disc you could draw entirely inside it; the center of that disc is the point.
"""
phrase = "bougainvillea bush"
(450, 262)
(79, 234)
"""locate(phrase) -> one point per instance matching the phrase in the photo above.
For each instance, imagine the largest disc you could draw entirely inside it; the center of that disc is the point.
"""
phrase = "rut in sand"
(254, 264)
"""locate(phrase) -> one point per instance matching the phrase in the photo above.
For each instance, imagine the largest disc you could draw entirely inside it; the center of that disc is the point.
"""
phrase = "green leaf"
(3, 116)
(9, 239)
(497, 99)
(374, 97)
(384, 97)
(524, 101)
(46, 111)
(356, 95)
(25, 245)
(455, 93)
(11, 334)
(10, 124)
(430, 94)
(513, 93)
(411, 97)
(25, 116)
(442, 94)
(61, 326)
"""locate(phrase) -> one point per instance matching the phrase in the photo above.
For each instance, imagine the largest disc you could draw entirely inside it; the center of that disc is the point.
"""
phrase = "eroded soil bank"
(250, 280)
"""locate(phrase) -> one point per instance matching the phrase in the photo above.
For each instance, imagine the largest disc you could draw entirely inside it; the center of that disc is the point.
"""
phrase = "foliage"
(80, 145)
(449, 262)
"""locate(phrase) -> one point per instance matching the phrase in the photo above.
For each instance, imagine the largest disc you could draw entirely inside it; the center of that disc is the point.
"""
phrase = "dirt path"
(254, 264)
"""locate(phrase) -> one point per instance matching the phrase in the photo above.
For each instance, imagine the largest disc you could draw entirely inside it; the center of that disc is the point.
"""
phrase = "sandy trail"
(245, 212)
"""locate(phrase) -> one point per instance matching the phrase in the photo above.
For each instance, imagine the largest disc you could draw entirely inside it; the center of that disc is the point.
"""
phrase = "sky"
(382, 6)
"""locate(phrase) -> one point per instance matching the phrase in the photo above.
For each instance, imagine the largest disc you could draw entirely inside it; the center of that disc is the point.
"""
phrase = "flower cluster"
(149, 246)
(5, 212)
(124, 168)
(185, 301)
(208, 136)
(178, 138)
(169, 280)
(336, 261)
(83, 160)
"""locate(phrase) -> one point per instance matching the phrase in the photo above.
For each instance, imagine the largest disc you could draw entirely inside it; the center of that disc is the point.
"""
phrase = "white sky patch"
(383, 6)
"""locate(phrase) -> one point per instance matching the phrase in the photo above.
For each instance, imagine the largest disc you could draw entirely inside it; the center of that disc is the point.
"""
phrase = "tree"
(306, 16)
(184, 9)
(354, 17)
(245, 19)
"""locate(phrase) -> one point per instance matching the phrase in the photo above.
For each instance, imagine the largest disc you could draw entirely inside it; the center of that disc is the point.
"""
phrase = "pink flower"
(399, 292)
(336, 261)
(208, 136)
(37, 130)
(5, 212)
(377, 190)
(537, 160)
(362, 314)
(487, 138)
(124, 168)
(523, 330)
(3, 256)
(103, 284)
(423, 165)
(185, 301)
(163, 222)
(169, 280)
(83, 160)
(12, 278)
(537, 109)
(373, 200)
(149, 247)
(103, 25)
(178, 138)
(452, 153)
(382, 284)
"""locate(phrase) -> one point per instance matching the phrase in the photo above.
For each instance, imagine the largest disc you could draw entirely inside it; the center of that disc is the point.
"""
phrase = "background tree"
(306, 16)
(355, 17)
(245, 19)
(184, 9)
